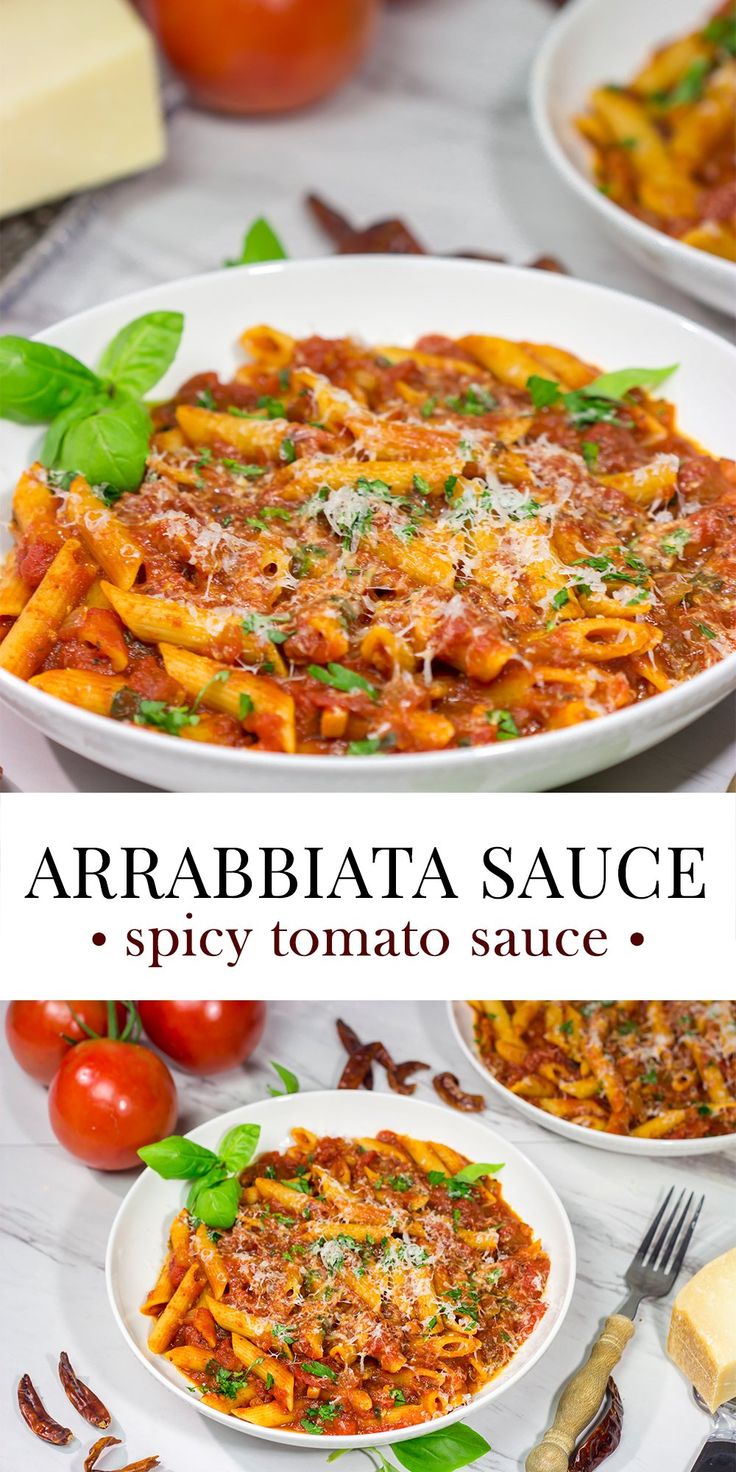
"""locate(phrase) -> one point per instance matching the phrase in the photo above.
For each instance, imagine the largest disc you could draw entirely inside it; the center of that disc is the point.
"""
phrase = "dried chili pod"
(549, 263)
(604, 1437)
(334, 224)
(145, 1464)
(447, 1085)
(82, 1398)
(398, 1075)
(351, 1042)
(36, 1416)
(385, 237)
(357, 1066)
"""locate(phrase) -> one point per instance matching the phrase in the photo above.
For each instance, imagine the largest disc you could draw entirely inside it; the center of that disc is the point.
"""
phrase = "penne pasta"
(652, 1070)
(320, 1305)
(456, 543)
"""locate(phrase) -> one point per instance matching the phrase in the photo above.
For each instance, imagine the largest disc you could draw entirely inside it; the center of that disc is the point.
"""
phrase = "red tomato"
(35, 1032)
(205, 1037)
(254, 56)
(108, 1098)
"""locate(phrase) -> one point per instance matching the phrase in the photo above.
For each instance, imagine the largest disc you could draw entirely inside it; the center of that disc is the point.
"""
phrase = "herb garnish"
(99, 425)
(215, 1193)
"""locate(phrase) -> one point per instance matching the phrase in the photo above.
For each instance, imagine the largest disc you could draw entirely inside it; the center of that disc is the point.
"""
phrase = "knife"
(718, 1453)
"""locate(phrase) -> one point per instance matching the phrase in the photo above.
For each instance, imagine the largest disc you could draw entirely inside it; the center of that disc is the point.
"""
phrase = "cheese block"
(702, 1337)
(79, 98)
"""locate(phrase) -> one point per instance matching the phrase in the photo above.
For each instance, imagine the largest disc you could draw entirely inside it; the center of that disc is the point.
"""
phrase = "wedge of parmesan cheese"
(702, 1337)
(78, 98)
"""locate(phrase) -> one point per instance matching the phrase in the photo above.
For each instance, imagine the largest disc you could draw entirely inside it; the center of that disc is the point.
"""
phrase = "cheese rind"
(702, 1337)
(79, 98)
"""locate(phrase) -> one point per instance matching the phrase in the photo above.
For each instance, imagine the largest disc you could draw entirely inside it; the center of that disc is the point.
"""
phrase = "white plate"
(599, 41)
(139, 1234)
(461, 1020)
(397, 299)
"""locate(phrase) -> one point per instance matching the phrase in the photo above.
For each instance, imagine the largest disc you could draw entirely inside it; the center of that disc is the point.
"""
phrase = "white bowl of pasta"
(324, 592)
(308, 1351)
(667, 1091)
(594, 48)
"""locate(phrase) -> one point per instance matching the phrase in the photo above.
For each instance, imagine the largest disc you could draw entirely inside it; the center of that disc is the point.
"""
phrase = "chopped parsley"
(428, 407)
(206, 399)
(473, 400)
(283, 1334)
(422, 486)
(318, 1416)
(675, 540)
(227, 1382)
(287, 451)
(170, 718)
(318, 1368)
(397, 1395)
(400, 1183)
(342, 678)
(561, 598)
(237, 467)
(506, 727)
(591, 450)
(265, 626)
(650, 1077)
(721, 32)
(246, 706)
(689, 88)
(705, 631)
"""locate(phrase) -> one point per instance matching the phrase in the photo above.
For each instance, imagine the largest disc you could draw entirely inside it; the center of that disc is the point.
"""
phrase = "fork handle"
(581, 1398)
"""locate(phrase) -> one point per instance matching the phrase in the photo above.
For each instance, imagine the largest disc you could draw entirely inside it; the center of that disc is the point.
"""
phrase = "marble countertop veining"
(435, 126)
(55, 1216)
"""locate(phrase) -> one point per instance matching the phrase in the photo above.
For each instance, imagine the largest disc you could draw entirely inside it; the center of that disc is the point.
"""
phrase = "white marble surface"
(55, 1216)
(436, 127)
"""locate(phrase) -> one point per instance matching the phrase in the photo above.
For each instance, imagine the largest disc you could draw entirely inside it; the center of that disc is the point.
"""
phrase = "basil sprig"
(439, 1451)
(596, 401)
(99, 425)
(215, 1193)
(260, 243)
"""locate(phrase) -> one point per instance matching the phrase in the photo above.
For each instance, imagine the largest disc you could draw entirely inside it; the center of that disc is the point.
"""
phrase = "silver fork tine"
(652, 1229)
(662, 1235)
(674, 1234)
(682, 1249)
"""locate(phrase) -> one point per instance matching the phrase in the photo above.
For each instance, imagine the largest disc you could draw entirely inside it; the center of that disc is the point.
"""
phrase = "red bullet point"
(637, 939)
(98, 939)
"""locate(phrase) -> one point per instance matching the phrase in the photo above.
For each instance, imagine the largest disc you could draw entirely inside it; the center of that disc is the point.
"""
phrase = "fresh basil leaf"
(52, 441)
(260, 243)
(615, 385)
(441, 1451)
(110, 444)
(213, 1177)
(288, 1079)
(141, 352)
(177, 1158)
(475, 1170)
(217, 1205)
(37, 381)
(238, 1146)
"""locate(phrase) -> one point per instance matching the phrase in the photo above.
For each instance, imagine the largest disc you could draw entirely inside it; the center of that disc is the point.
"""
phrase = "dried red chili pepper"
(549, 263)
(82, 1398)
(397, 1076)
(351, 1042)
(145, 1464)
(384, 237)
(354, 1072)
(36, 1416)
(447, 1085)
(604, 1437)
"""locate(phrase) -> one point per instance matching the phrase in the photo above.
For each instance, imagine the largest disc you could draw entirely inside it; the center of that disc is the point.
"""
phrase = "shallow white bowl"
(139, 1233)
(461, 1021)
(599, 41)
(396, 299)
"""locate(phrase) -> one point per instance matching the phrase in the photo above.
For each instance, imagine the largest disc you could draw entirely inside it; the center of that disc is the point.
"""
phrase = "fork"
(651, 1274)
